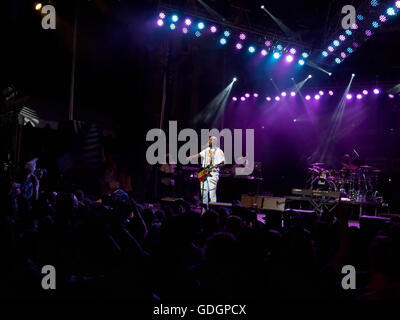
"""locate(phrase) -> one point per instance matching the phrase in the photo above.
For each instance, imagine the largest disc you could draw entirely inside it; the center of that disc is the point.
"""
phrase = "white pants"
(208, 188)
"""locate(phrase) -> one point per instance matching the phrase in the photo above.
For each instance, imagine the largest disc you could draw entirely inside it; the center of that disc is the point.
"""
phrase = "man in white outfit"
(214, 156)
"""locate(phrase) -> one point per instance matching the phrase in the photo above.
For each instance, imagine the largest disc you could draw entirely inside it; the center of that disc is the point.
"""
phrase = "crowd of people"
(113, 247)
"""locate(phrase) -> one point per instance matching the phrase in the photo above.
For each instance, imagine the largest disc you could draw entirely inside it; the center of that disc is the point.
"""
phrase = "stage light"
(174, 18)
(234, 79)
(247, 95)
(330, 92)
(360, 17)
(382, 18)
(391, 96)
(368, 33)
(213, 29)
(283, 94)
(267, 43)
(252, 49)
(172, 26)
(264, 52)
(397, 4)
(289, 58)
(353, 75)
(292, 51)
(227, 33)
(197, 33)
(268, 98)
(305, 55)
(200, 25)
(222, 41)
(309, 76)
(262, 7)
(188, 22)
(376, 91)
(342, 37)
(239, 46)
(279, 47)
(185, 30)
(355, 44)
(301, 62)
(38, 6)
(292, 93)
(343, 55)
(324, 53)
(160, 22)
(348, 32)
(242, 36)
(321, 93)
(329, 73)
(242, 98)
(349, 50)
(365, 92)
(277, 98)
(330, 48)
(161, 15)
(354, 26)
(234, 99)
(308, 97)
(390, 11)
(349, 96)
(336, 43)
(294, 120)
(375, 24)
(337, 60)
(359, 96)
(255, 95)
(317, 97)
(277, 55)
(374, 3)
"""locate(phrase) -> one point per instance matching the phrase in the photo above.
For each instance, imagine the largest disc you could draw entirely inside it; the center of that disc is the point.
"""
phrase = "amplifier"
(264, 202)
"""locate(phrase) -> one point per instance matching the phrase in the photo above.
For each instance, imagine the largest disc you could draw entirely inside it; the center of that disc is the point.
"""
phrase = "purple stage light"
(376, 91)
(349, 96)
(162, 15)
(343, 55)
(342, 37)
(355, 44)
(264, 52)
(365, 92)
(247, 95)
(292, 51)
(277, 98)
(330, 49)
(289, 58)
(354, 26)
(268, 98)
(267, 43)
(382, 18)
(359, 96)
(397, 4)
(292, 93)
(255, 95)
(321, 93)
(160, 22)
(213, 29)
(308, 97)
(242, 98)
(239, 46)
(234, 98)
(330, 92)
(242, 36)
(185, 30)
(188, 22)
(391, 96)
(317, 97)
(368, 33)
(283, 94)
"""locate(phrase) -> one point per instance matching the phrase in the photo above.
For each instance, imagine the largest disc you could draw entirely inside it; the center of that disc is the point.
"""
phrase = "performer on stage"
(210, 156)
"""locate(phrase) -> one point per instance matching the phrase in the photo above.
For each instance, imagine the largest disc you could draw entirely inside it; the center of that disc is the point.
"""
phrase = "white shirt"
(212, 156)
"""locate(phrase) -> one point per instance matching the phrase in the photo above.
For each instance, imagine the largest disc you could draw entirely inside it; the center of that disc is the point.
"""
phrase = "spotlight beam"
(211, 10)
(315, 66)
(281, 25)
(275, 86)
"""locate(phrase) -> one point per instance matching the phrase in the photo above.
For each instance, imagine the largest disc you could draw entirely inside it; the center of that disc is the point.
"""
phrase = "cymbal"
(366, 167)
(313, 170)
(316, 164)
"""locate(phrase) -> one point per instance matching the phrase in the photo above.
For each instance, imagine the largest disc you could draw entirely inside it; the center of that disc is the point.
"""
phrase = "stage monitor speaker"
(273, 203)
(251, 201)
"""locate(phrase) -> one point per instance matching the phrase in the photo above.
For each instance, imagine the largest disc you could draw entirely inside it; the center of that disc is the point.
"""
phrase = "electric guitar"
(206, 172)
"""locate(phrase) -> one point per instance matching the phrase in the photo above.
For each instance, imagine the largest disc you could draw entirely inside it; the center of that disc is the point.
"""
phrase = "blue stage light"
(252, 49)
(172, 26)
(305, 55)
(279, 47)
(374, 3)
(360, 17)
(301, 62)
(276, 55)
(222, 41)
(200, 25)
(375, 24)
(197, 33)
(174, 18)
(349, 50)
(337, 60)
(324, 53)
(227, 33)
(391, 11)
(336, 43)
(348, 32)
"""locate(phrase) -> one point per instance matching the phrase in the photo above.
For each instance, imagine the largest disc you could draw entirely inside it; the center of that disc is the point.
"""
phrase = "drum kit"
(355, 183)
